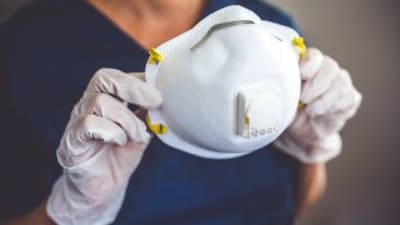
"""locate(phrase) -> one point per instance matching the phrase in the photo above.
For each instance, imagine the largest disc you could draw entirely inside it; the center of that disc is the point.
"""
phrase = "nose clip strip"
(218, 27)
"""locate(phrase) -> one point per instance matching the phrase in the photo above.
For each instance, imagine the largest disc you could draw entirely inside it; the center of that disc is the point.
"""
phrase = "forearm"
(37, 217)
(311, 186)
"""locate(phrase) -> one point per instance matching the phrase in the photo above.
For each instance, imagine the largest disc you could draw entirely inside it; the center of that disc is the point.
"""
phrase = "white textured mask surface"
(230, 85)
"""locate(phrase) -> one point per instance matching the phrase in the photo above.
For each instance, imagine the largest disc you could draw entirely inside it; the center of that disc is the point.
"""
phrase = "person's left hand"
(330, 100)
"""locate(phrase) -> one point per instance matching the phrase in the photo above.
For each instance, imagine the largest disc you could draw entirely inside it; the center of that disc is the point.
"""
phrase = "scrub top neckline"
(211, 6)
(113, 27)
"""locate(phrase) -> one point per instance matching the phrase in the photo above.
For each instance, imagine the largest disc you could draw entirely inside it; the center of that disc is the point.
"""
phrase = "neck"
(150, 9)
(151, 22)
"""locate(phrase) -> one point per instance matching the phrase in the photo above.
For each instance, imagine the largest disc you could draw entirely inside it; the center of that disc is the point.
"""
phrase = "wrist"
(319, 150)
(68, 206)
(311, 184)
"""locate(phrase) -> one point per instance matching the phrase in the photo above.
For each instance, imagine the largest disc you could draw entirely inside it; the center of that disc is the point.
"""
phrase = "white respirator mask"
(230, 85)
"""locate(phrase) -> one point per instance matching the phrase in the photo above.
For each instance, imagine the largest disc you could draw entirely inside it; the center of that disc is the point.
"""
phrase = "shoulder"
(39, 37)
(31, 34)
(38, 21)
(31, 37)
(35, 15)
(40, 51)
(270, 12)
(40, 26)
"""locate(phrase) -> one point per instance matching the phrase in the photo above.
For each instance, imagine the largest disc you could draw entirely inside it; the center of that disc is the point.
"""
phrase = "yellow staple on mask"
(300, 105)
(156, 128)
(298, 43)
(155, 56)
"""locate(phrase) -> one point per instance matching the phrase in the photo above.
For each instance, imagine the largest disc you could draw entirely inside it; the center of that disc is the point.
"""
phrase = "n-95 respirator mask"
(230, 85)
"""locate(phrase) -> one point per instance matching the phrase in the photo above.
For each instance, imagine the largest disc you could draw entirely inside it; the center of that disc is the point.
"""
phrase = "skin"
(312, 181)
(150, 23)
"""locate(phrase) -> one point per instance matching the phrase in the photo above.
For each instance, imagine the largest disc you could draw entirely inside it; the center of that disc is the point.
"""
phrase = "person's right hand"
(102, 146)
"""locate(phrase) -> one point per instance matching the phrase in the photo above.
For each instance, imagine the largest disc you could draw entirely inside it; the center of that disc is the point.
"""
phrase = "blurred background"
(364, 36)
(8, 7)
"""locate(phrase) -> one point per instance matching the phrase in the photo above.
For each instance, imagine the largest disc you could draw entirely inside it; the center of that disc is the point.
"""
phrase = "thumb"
(139, 75)
(311, 63)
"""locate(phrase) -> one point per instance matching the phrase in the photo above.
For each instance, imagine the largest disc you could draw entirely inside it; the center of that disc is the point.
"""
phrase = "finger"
(320, 83)
(347, 111)
(337, 100)
(92, 127)
(127, 87)
(78, 146)
(106, 106)
(327, 125)
(140, 76)
(326, 101)
(351, 111)
(311, 63)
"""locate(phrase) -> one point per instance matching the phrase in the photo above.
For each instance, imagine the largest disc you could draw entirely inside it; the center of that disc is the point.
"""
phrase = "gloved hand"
(101, 147)
(330, 100)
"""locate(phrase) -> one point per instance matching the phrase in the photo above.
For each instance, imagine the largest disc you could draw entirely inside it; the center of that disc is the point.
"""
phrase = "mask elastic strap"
(160, 129)
(298, 43)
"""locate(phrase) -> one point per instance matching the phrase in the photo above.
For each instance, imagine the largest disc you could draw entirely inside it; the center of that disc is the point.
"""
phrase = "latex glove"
(101, 147)
(330, 100)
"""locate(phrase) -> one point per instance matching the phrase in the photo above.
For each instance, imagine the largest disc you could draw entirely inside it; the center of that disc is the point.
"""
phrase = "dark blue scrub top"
(48, 52)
